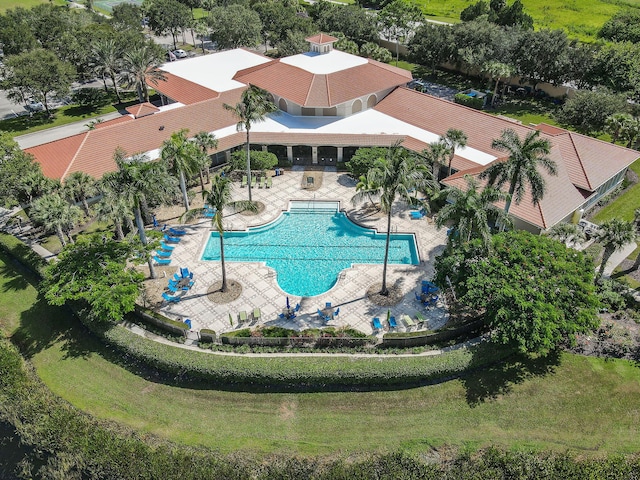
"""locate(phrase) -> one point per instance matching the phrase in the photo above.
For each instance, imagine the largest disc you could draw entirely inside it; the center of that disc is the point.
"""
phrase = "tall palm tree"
(107, 58)
(397, 174)
(253, 107)
(56, 214)
(114, 208)
(205, 141)
(615, 124)
(219, 198)
(471, 211)
(614, 234)
(453, 139)
(368, 186)
(181, 157)
(497, 71)
(437, 153)
(137, 180)
(140, 64)
(521, 167)
(80, 186)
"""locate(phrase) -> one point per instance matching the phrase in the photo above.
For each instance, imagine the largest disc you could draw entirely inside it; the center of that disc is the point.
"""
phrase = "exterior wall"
(519, 224)
(604, 189)
(345, 109)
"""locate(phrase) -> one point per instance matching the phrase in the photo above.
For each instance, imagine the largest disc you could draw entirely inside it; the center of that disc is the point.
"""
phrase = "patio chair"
(176, 232)
(377, 326)
(188, 286)
(327, 305)
(269, 182)
(242, 317)
(187, 322)
(420, 320)
(253, 182)
(184, 272)
(281, 315)
(416, 214)
(176, 278)
(161, 261)
(170, 299)
(166, 247)
(163, 254)
(257, 314)
(392, 322)
(262, 182)
(169, 239)
(297, 307)
(209, 212)
(407, 320)
(243, 183)
(335, 314)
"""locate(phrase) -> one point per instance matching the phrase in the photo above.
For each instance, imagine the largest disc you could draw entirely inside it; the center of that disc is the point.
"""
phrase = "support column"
(290, 155)
(340, 153)
(265, 148)
(314, 155)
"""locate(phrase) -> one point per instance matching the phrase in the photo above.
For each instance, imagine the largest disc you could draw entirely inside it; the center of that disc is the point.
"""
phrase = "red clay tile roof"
(142, 109)
(315, 90)
(55, 157)
(113, 121)
(321, 38)
(184, 91)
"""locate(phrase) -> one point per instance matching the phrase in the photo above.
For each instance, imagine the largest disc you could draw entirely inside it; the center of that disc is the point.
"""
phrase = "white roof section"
(369, 122)
(324, 63)
(215, 71)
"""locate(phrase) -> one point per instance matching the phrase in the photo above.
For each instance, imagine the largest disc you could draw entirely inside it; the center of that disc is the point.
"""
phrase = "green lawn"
(580, 18)
(7, 4)
(584, 404)
(623, 206)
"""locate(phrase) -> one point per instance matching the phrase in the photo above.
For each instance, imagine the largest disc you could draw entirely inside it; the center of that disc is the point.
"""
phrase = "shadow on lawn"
(498, 379)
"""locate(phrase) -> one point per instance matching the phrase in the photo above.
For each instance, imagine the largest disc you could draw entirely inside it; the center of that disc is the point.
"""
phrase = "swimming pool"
(309, 245)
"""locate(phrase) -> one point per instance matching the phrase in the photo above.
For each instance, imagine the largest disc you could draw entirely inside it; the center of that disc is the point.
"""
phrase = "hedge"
(466, 100)
(80, 446)
(418, 339)
(207, 335)
(313, 337)
(158, 320)
(22, 253)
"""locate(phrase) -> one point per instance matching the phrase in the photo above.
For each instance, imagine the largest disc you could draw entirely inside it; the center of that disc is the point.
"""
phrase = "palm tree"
(56, 214)
(436, 154)
(202, 30)
(567, 233)
(615, 124)
(471, 210)
(497, 71)
(614, 234)
(219, 198)
(397, 174)
(107, 58)
(181, 156)
(521, 167)
(205, 141)
(79, 186)
(364, 186)
(114, 208)
(137, 180)
(630, 131)
(140, 65)
(253, 107)
(453, 139)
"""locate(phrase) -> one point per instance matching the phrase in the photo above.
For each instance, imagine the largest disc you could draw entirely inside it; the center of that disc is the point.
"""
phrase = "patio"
(260, 288)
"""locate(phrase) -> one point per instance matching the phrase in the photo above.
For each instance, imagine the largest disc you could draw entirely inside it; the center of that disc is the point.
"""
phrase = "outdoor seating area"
(178, 284)
(289, 312)
(417, 214)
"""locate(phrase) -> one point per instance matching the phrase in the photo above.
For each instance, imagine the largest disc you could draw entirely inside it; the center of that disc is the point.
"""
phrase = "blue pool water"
(308, 247)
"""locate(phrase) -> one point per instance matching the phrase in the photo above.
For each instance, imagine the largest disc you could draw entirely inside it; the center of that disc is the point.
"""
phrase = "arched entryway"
(327, 156)
(302, 155)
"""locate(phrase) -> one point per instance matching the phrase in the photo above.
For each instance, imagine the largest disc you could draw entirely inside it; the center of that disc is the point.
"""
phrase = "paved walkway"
(260, 287)
(618, 257)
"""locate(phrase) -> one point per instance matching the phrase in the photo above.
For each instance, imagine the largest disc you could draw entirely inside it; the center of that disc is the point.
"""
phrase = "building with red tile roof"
(332, 103)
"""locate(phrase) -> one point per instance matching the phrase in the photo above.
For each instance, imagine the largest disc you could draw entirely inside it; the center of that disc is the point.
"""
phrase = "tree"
(521, 169)
(364, 159)
(114, 208)
(259, 160)
(567, 233)
(127, 16)
(534, 293)
(453, 139)
(615, 124)
(55, 214)
(253, 107)
(107, 58)
(95, 270)
(219, 198)
(614, 234)
(277, 19)
(34, 184)
(138, 180)
(470, 212)
(346, 45)
(235, 26)
(513, 16)
(398, 19)
(474, 11)
(630, 132)
(38, 74)
(80, 186)
(168, 17)
(141, 68)
(624, 26)
(497, 71)
(15, 165)
(202, 30)
(396, 175)
(181, 157)
(293, 43)
(205, 142)
(375, 51)
(437, 154)
(542, 56)
(355, 23)
(432, 45)
(15, 32)
(588, 110)
(616, 67)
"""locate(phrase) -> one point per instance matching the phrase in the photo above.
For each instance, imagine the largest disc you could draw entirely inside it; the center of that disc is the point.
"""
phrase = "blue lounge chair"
(418, 297)
(177, 232)
(188, 286)
(187, 322)
(416, 214)
(161, 261)
(297, 307)
(327, 305)
(169, 239)
(324, 317)
(166, 247)
(281, 315)
(209, 212)
(184, 273)
(170, 298)
(176, 278)
(172, 288)
(163, 254)
(392, 322)
(376, 324)
(335, 314)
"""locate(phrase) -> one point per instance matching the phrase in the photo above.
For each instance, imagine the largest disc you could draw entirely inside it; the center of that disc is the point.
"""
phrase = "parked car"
(180, 53)
(33, 106)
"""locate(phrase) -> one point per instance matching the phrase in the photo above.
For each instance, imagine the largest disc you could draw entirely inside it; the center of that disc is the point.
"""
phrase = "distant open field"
(580, 18)
(7, 4)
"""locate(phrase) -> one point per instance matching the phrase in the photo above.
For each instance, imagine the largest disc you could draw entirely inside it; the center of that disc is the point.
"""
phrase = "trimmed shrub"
(160, 321)
(22, 253)
(207, 335)
(467, 101)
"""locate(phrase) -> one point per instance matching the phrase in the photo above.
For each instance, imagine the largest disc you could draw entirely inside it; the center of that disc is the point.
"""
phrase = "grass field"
(582, 404)
(623, 206)
(7, 4)
(580, 18)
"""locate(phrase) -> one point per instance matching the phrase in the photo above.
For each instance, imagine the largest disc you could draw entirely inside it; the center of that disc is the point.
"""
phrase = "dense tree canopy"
(259, 160)
(95, 270)
(235, 26)
(535, 293)
(15, 166)
(588, 110)
(624, 26)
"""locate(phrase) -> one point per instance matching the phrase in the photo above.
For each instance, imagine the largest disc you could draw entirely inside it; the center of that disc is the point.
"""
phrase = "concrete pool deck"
(260, 288)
